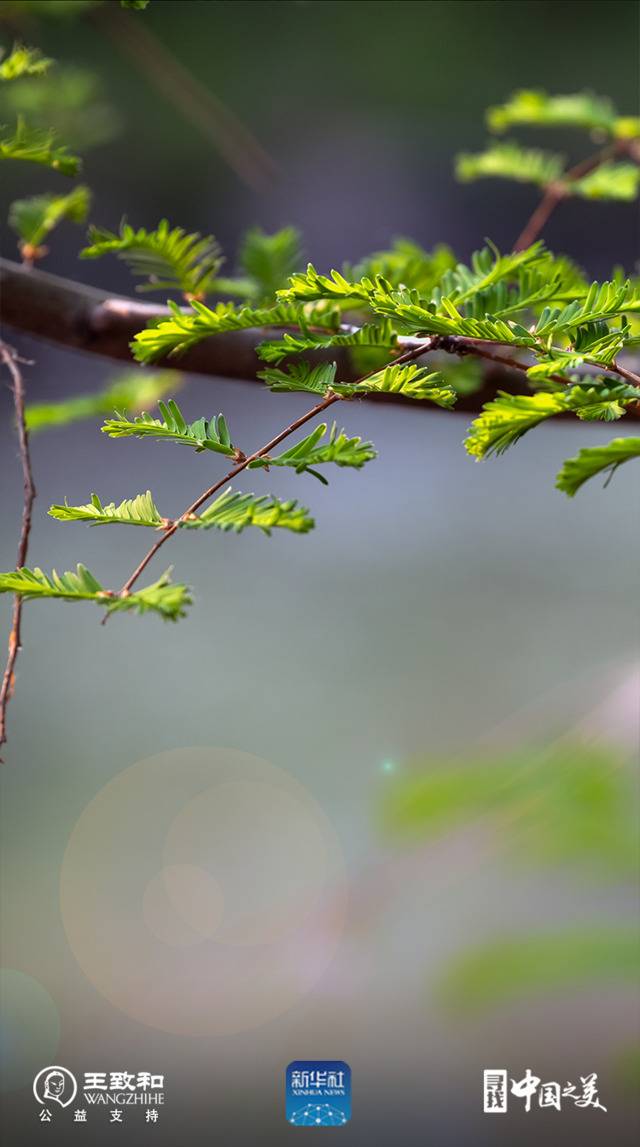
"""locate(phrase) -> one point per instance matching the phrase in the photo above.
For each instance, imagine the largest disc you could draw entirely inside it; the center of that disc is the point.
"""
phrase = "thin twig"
(235, 142)
(558, 190)
(415, 352)
(10, 360)
(456, 344)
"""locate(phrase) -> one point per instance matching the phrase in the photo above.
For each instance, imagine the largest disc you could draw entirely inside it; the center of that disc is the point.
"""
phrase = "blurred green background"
(452, 636)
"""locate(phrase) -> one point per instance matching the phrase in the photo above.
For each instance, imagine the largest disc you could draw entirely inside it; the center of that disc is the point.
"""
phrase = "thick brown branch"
(10, 360)
(84, 318)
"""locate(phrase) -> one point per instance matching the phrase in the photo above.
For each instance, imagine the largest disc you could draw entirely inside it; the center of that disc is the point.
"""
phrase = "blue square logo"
(318, 1093)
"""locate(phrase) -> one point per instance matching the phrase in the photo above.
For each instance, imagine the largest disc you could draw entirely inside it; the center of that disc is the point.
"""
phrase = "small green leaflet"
(168, 257)
(310, 452)
(310, 285)
(138, 511)
(609, 181)
(269, 260)
(33, 219)
(592, 460)
(185, 329)
(23, 61)
(506, 418)
(378, 334)
(37, 146)
(411, 314)
(602, 301)
(404, 264)
(301, 376)
(164, 597)
(536, 108)
(235, 511)
(203, 434)
(410, 380)
(510, 161)
(132, 391)
(489, 267)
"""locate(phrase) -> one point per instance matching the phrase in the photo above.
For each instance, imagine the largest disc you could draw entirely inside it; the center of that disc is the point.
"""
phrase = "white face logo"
(55, 1085)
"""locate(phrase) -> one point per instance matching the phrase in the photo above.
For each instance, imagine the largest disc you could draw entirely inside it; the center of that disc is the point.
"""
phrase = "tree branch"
(86, 319)
(10, 360)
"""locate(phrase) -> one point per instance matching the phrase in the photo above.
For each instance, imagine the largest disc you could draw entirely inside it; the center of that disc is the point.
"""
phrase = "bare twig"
(236, 143)
(11, 361)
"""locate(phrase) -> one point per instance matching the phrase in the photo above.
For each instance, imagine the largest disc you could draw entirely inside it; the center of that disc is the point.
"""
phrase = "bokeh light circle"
(203, 891)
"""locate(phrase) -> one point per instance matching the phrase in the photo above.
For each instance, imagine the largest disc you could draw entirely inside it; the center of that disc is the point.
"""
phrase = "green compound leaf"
(168, 257)
(269, 260)
(133, 392)
(235, 511)
(164, 597)
(604, 401)
(410, 380)
(70, 100)
(37, 146)
(507, 418)
(311, 452)
(592, 460)
(537, 109)
(185, 329)
(203, 434)
(230, 511)
(602, 301)
(23, 61)
(310, 285)
(412, 314)
(510, 161)
(488, 267)
(301, 376)
(609, 181)
(138, 511)
(565, 802)
(405, 264)
(379, 334)
(513, 966)
(33, 219)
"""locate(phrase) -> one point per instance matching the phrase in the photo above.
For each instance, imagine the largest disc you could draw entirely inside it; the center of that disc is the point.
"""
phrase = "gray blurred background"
(440, 610)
